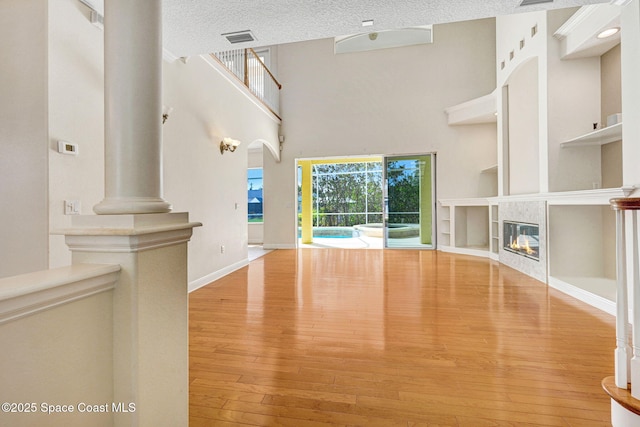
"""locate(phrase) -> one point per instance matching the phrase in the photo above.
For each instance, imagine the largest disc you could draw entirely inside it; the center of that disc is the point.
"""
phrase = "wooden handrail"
(241, 82)
(621, 395)
(624, 204)
(265, 68)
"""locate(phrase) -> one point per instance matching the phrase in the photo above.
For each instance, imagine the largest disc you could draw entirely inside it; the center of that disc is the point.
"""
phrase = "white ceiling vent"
(239, 37)
(531, 2)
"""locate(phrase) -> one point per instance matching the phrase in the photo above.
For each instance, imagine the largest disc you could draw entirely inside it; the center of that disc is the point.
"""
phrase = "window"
(254, 193)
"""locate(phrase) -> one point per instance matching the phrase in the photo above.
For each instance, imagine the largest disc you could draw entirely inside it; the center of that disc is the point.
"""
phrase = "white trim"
(279, 246)
(580, 294)
(212, 277)
(599, 196)
(483, 253)
(168, 56)
(465, 202)
(127, 243)
(127, 233)
(575, 21)
(31, 293)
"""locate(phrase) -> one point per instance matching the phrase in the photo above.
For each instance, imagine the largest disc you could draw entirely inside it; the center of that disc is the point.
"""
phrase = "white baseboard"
(279, 246)
(203, 281)
(585, 296)
(465, 251)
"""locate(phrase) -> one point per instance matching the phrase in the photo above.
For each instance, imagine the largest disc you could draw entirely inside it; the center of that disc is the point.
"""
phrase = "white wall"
(76, 114)
(198, 179)
(63, 100)
(611, 94)
(573, 106)
(388, 101)
(63, 355)
(524, 125)
(568, 101)
(23, 137)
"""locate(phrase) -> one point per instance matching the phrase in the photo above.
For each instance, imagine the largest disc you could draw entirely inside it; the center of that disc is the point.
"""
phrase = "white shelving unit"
(469, 226)
(602, 136)
(494, 228)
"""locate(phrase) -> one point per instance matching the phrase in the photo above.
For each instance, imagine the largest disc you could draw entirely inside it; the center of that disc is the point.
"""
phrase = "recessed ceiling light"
(608, 32)
(367, 23)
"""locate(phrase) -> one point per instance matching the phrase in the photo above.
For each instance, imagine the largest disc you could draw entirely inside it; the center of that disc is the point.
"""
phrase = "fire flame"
(516, 245)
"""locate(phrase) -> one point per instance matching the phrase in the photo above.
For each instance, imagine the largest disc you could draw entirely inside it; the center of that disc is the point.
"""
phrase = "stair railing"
(250, 69)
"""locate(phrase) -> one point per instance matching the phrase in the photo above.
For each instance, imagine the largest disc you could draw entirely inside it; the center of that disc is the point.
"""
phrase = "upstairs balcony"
(249, 68)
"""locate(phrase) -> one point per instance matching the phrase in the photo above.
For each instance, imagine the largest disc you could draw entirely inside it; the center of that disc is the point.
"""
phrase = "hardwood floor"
(319, 337)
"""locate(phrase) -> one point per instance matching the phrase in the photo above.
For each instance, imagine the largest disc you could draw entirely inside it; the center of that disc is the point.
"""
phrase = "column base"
(150, 310)
(132, 205)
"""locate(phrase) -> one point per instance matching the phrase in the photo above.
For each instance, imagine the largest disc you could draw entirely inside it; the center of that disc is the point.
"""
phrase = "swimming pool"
(332, 232)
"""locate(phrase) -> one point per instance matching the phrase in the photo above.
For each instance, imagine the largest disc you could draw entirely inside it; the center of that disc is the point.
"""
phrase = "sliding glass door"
(409, 201)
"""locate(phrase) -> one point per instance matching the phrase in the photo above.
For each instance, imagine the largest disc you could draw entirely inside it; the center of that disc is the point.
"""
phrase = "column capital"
(127, 233)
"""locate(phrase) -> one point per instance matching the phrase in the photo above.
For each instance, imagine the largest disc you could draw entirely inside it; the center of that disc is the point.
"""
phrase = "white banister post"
(635, 362)
(623, 351)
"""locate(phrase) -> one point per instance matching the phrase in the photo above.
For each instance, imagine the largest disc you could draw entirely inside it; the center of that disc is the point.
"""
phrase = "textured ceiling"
(195, 26)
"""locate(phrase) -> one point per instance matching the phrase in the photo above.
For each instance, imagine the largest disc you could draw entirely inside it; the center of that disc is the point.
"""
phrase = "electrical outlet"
(221, 249)
(72, 207)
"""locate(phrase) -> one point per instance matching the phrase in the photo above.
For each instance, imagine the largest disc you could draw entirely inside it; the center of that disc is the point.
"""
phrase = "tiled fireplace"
(523, 237)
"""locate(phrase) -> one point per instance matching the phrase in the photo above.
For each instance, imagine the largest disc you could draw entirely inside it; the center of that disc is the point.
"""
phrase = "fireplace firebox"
(522, 238)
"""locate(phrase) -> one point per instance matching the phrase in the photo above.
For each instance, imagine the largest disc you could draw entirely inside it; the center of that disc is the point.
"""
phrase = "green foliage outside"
(404, 191)
(347, 194)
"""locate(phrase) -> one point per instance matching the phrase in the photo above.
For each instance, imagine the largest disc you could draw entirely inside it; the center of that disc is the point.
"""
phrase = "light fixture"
(608, 32)
(228, 144)
(165, 113)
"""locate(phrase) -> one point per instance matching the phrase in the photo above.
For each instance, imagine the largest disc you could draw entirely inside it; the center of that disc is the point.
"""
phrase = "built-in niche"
(582, 252)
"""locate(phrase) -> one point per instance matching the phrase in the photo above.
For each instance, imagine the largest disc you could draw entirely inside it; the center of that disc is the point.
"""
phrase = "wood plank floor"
(319, 337)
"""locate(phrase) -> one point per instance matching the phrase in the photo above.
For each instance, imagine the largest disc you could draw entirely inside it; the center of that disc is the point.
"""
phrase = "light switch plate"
(72, 207)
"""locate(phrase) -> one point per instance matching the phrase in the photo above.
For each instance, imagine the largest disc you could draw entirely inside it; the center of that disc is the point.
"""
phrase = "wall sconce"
(165, 113)
(228, 144)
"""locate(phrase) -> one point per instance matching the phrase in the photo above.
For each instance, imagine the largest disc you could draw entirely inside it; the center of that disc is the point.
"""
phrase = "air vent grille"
(239, 37)
(531, 2)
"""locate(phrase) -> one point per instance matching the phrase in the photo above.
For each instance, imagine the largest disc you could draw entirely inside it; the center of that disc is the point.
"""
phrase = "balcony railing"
(250, 69)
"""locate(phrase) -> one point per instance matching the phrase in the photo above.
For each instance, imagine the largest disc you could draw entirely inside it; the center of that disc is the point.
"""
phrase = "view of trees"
(404, 191)
(347, 194)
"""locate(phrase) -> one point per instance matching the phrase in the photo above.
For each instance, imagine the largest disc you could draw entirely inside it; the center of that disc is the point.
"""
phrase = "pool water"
(332, 232)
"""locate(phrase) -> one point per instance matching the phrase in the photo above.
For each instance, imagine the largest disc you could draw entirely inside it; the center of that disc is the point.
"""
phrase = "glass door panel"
(409, 194)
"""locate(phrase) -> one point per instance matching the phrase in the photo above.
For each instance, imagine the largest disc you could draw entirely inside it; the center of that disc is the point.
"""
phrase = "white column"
(133, 108)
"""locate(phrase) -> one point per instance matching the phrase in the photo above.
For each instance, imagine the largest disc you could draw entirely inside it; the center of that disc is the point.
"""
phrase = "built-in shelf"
(468, 221)
(475, 111)
(602, 136)
(491, 169)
